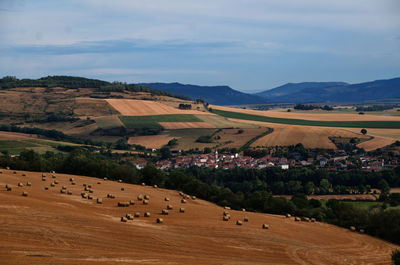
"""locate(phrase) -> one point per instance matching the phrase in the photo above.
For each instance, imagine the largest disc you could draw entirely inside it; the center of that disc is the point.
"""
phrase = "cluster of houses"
(338, 160)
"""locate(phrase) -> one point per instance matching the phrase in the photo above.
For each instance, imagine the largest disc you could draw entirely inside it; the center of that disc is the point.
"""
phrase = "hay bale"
(140, 197)
(146, 197)
(105, 178)
(1, 171)
(129, 216)
(8, 168)
(8, 187)
(297, 219)
(62, 191)
(305, 219)
(98, 182)
(225, 218)
(137, 214)
(225, 213)
(362, 231)
(313, 220)
(352, 228)
(86, 189)
(122, 188)
(183, 201)
(288, 215)
(123, 219)
(145, 201)
(90, 197)
(155, 186)
(69, 192)
(265, 226)
(227, 208)
(20, 184)
(89, 186)
(246, 219)
(73, 183)
(53, 172)
(46, 187)
(111, 196)
(243, 209)
(164, 212)
(123, 204)
(53, 176)
(238, 222)
(166, 199)
(181, 193)
(143, 184)
(71, 179)
(132, 202)
(84, 195)
(146, 214)
(159, 220)
(24, 193)
(23, 174)
(194, 198)
(181, 210)
(84, 184)
(120, 180)
(56, 182)
(15, 172)
(64, 187)
(28, 184)
(186, 197)
(43, 178)
(170, 207)
(52, 184)
(90, 191)
(99, 200)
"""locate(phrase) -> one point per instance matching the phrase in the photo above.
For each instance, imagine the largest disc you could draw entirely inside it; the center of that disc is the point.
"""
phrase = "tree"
(309, 188)
(364, 131)
(325, 186)
(165, 152)
(383, 186)
(396, 257)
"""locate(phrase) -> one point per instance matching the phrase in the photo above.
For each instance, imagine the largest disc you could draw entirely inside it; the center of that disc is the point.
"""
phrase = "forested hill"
(341, 92)
(218, 95)
(73, 82)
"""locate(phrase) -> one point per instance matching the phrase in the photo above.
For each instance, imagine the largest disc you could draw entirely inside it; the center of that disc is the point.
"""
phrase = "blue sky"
(250, 45)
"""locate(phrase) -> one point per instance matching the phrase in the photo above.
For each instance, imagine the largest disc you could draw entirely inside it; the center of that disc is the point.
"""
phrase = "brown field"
(337, 116)
(92, 107)
(395, 190)
(48, 227)
(132, 107)
(107, 122)
(151, 141)
(238, 140)
(382, 138)
(185, 125)
(13, 136)
(222, 122)
(309, 136)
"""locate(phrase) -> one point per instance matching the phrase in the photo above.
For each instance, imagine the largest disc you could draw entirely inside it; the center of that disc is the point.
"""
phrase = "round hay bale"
(84, 195)
(183, 201)
(90, 197)
(89, 186)
(288, 215)
(146, 197)
(28, 184)
(194, 198)
(137, 214)
(265, 226)
(146, 214)
(69, 192)
(159, 220)
(105, 178)
(98, 182)
(225, 218)
(53, 176)
(73, 183)
(225, 213)
(90, 191)
(352, 228)
(145, 201)
(52, 184)
(186, 197)
(305, 219)
(181, 193)
(99, 200)
(46, 188)
(166, 199)
(227, 208)
(313, 220)
(297, 219)
(238, 222)
(170, 207)
(86, 189)
(1, 171)
(129, 216)
(84, 184)
(243, 209)
(8, 187)
(23, 174)
(62, 191)
(155, 186)
(123, 204)
(53, 172)
(181, 210)
(71, 179)
(24, 193)
(111, 196)
(123, 219)
(164, 212)
(362, 231)
(143, 184)
(64, 187)
(20, 184)
(132, 202)
(120, 180)
(43, 178)
(122, 188)
(56, 182)
(15, 172)
(8, 168)
(140, 197)
(246, 219)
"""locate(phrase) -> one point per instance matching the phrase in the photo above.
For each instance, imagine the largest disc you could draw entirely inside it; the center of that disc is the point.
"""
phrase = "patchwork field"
(187, 138)
(48, 227)
(131, 107)
(151, 141)
(233, 138)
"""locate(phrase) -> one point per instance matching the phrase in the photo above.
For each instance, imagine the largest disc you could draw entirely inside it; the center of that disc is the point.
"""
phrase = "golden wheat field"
(132, 107)
(185, 125)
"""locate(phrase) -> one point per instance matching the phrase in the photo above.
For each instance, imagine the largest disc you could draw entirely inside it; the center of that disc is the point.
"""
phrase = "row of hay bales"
(226, 217)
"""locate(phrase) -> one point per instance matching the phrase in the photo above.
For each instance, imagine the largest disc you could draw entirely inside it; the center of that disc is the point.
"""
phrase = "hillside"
(48, 227)
(368, 91)
(220, 95)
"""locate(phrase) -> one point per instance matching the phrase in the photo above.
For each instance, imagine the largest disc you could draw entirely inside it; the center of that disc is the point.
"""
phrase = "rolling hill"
(50, 227)
(220, 95)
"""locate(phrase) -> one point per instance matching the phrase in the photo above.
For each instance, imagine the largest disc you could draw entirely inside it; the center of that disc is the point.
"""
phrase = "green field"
(348, 124)
(151, 122)
(38, 145)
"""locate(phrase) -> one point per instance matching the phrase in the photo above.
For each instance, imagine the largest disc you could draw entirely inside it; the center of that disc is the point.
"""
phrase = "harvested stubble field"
(185, 125)
(154, 121)
(108, 122)
(222, 122)
(231, 138)
(151, 141)
(48, 227)
(132, 107)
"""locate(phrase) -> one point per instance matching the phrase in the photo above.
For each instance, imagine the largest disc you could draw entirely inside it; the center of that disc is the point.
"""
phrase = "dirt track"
(48, 227)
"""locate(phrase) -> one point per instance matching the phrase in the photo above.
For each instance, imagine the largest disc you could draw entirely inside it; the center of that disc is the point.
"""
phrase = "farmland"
(137, 122)
(48, 227)
(151, 141)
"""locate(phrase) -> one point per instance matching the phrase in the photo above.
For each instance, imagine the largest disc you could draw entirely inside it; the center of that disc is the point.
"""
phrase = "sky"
(250, 45)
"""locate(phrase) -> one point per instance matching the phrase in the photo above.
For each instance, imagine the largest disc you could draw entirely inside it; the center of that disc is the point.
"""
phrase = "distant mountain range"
(218, 95)
(306, 92)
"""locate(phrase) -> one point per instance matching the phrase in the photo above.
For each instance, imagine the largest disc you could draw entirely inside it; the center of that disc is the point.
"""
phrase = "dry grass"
(222, 122)
(382, 138)
(185, 125)
(151, 141)
(108, 122)
(314, 116)
(92, 107)
(232, 139)
(13, 136)
(132, 107)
